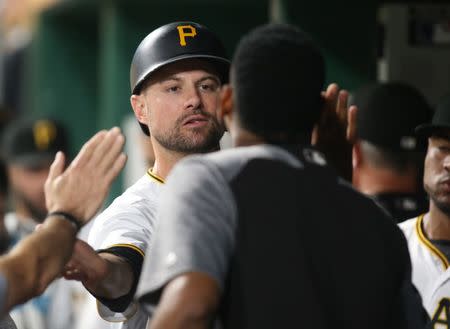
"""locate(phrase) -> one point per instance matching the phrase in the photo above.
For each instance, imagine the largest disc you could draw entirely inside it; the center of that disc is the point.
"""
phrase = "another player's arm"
(119, 277)
(79, 191)
(37, 260)
(105, 275)
(187, 290)
(188, 301)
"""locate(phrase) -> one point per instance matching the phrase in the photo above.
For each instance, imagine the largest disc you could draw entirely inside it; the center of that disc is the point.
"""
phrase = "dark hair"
(395, 160)
(278, 75)
(398, 108)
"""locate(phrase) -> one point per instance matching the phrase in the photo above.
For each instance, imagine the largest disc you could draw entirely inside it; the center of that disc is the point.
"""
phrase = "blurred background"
(69, 59)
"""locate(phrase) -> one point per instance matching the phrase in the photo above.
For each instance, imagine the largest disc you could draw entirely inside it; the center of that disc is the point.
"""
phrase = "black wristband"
(61, 214)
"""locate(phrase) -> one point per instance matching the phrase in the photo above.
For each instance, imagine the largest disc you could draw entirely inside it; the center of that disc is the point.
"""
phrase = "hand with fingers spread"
(82, 187)
(78, 191)
(335, 133)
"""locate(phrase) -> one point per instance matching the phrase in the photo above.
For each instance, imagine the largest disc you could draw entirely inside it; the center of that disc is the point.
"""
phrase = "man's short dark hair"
(386, 158)
(278, 75)
(388, 113)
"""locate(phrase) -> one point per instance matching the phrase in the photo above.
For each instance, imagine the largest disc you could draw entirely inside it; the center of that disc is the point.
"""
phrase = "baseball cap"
(440, 121)
(388, 113)
(32, 142)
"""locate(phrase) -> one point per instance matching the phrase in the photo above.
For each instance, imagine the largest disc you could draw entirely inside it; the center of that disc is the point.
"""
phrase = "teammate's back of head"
(278, 75)
(398, 108)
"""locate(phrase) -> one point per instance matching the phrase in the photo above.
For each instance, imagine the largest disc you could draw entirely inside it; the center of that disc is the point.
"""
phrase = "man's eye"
(173, 89)
(208, 87)
(444, 149)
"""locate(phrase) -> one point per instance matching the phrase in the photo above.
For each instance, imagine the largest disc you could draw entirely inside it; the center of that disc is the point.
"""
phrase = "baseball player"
(428, 235)
(266, 235)
(176, 75)
(387, 162)
(28, 146)
(73, 195)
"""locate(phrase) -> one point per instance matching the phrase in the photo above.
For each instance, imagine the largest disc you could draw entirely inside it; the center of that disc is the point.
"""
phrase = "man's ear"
(139, 108)
(227, 105)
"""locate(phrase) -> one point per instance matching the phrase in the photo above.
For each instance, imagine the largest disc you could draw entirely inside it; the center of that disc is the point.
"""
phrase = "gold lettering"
(186, 31)
(44, 133)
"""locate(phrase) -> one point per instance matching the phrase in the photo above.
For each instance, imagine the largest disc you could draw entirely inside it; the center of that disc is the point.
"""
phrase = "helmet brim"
(221, 64)
(428, 129)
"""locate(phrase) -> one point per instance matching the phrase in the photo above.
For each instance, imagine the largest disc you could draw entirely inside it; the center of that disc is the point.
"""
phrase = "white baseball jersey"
(125, 228)
(430, 272)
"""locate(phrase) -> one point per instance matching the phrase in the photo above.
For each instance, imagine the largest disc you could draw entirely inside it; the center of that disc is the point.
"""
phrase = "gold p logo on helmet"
(44, 134)
(186, 31)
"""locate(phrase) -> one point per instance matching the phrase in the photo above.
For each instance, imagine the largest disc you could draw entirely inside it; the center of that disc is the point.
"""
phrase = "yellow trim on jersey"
(428, 244)
(139, 250)
(155, 177)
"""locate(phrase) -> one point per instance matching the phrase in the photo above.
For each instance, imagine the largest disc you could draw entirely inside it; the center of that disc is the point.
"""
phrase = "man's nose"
(193, 99)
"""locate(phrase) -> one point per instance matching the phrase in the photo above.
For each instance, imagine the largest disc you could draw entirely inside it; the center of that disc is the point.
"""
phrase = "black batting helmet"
(174, 42)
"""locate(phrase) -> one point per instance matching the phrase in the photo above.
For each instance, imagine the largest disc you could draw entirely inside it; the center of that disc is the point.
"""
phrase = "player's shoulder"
(229, 162)
(146, 188)
(141, 197)
(408, 226)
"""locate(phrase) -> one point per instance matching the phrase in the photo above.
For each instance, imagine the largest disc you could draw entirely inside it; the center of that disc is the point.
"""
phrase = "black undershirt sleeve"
(135, 259)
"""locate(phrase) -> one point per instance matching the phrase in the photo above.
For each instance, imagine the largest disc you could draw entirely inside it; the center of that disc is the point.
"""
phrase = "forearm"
(37, 260)
(116, 280)
(177, 319)
(188, 302)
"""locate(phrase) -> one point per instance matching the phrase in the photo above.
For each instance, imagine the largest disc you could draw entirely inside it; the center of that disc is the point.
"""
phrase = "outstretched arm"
(79, 191)
(105, 275)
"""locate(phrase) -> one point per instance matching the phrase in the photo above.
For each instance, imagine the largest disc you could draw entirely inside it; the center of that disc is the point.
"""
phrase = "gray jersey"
(196, 231)
(241, 215)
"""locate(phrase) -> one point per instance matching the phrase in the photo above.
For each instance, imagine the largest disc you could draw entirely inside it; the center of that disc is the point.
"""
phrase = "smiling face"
(179, 103)
(437, 172)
